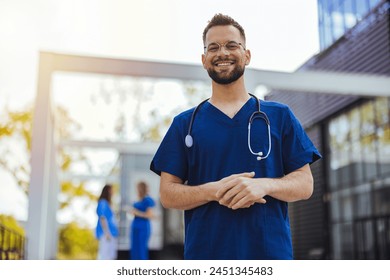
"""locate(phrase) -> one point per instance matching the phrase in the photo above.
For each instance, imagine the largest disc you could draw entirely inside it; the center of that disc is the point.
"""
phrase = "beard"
(224, 79)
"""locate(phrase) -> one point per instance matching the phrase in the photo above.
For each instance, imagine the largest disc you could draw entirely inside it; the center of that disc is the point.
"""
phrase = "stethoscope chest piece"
(189, 141)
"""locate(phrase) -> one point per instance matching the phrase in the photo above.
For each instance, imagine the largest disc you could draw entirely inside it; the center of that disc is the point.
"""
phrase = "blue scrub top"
(220, 149)
(104, 210)
(142, 206)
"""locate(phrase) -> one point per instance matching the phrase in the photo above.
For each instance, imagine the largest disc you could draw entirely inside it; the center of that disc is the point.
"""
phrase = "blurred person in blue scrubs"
(107, 228)
(140, 226)
(234, 180)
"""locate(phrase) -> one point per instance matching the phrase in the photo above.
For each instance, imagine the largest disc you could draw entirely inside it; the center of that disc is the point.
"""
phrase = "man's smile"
(224, 63)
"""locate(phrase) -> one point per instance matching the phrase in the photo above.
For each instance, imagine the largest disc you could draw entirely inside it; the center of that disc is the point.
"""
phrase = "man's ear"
(248, 57)
(204, 60)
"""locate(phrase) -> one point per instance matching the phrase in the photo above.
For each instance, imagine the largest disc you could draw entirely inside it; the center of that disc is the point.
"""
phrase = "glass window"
(340, 150)
(346, 204)
(347, 248)
(373, 3)
(356, 154)
(349, 13)
(336, 241)
(333, 181)
(362, 204)
(327, 29)
(383, 238)
(381, 201)
(382, 119)
(368, 140)
(334, 154)
(343, 143)
(359, 151)
(320, 11)
(365, 240)
(382, 111)
(361, 8)
(335, 3)
(337, 16)
(384, 149)
(338, 22)
(335, 208)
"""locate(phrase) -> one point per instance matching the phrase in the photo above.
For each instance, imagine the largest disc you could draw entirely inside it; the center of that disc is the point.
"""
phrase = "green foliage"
(72, 189)
(76, 243)
(18, 124)
(11, 223)
(11, 238)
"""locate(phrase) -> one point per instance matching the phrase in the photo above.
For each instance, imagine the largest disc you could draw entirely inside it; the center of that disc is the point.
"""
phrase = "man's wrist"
(268, 184)
(209, 191)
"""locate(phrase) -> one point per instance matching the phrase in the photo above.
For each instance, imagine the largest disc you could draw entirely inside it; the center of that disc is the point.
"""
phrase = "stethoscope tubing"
(257, 114)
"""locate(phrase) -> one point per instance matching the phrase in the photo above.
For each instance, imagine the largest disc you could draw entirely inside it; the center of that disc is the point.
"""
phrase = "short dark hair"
(220, 20)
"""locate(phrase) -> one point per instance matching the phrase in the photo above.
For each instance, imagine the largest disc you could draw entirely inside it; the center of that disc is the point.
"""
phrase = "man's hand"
(240, 191)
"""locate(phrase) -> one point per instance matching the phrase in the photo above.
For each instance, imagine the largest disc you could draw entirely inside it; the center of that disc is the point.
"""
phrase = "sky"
(281, 34)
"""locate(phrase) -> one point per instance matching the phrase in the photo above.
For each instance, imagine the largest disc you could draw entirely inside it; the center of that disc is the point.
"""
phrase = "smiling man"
(222, 74)
(234, 162)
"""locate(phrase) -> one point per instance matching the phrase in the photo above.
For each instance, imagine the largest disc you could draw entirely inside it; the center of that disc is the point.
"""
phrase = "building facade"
(336, 17)
(348, 216)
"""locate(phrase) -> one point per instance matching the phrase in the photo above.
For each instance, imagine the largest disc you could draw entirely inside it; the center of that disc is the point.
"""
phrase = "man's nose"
(223, 50)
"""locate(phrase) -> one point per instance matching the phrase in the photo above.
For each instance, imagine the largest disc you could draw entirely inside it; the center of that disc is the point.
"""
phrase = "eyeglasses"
(216, 47)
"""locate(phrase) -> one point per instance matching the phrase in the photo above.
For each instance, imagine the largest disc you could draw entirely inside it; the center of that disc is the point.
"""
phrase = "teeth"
(224, 64)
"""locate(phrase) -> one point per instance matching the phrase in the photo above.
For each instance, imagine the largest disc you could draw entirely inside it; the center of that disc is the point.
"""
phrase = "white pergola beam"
(324, 82)
(43, 189)
(86, 177)
(366, 85)
(121, 147)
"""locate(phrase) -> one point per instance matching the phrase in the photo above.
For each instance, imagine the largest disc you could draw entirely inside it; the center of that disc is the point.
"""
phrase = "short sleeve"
(298, 149)
(144, 204)
(149, 202)
(102, 208)
(171, 156)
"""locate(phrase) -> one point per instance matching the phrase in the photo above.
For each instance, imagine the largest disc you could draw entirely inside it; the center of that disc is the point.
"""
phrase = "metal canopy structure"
(44, 182)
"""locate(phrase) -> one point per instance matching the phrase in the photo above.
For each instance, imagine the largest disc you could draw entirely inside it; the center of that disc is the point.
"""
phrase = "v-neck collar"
(241, 114)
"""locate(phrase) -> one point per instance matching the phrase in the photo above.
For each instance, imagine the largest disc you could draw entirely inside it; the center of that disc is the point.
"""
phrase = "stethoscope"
(189, 141)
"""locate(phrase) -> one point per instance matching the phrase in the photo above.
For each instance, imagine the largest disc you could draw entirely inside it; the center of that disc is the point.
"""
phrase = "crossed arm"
(236, 191)
(148, 214)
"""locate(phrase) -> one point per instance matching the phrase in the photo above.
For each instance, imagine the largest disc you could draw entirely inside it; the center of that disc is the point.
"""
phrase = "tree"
(76, 243)
(12, 224)
(16, 127)
(15, 137)
(141, 93)
(12, 238)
